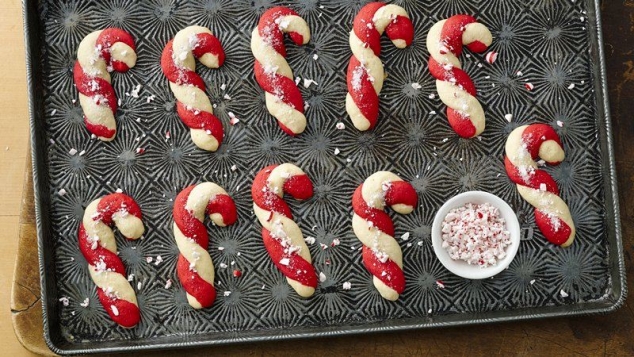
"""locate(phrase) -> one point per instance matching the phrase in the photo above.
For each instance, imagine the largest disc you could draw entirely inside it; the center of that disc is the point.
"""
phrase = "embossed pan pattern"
(555, 45)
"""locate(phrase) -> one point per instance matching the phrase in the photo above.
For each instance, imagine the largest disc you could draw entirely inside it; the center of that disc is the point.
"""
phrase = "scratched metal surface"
(551, 44)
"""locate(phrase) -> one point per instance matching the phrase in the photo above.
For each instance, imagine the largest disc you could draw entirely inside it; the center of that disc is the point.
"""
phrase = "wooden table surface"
(610, 335)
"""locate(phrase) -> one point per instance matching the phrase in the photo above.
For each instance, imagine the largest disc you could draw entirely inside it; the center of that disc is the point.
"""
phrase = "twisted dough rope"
(98, 53)
(537, 187)
(97, 244)
(455, 88)
(382, 255)
(282, 237)
(192, 104)
(365, 71)
(283, 98)
(195, 269)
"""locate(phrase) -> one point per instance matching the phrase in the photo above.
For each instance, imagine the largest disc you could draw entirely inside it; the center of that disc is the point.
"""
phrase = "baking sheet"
(552, 44)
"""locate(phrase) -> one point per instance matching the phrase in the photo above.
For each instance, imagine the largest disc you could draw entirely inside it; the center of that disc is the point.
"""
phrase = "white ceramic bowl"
(460, 267)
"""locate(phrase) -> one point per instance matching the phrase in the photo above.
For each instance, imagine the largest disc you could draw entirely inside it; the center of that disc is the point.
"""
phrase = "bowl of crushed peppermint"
(475, 235)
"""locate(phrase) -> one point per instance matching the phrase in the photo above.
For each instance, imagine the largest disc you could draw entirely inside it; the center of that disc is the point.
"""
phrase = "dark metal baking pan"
(555, 45)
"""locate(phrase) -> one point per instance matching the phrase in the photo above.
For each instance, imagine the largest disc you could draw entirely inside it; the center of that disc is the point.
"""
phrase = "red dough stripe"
(209, 44)
(116, 202)
(99, 254)
(186, 222)
(297, 269)
(282, 87)
(379, 218)
(128, 314)
(193, 284)
(109, 37)
(365, 97)
(537, 134)
(178, 75)
(389, 272)
(268, 29)
(544, 222)
(401, 28)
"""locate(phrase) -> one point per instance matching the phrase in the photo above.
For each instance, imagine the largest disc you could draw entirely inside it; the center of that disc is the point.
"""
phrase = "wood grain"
(609, 335)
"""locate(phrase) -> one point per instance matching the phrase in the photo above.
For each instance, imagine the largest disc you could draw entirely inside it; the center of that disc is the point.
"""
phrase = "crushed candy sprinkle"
(476, 234)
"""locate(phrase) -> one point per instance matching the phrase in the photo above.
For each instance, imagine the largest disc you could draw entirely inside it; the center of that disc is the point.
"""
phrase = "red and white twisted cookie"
(536, 186)
(195, 269)
(283, 98)
(382, 255)
(282, 237)
(455, 88)
(365, 71)
(192, 104)
(97, 244)
(99, 53)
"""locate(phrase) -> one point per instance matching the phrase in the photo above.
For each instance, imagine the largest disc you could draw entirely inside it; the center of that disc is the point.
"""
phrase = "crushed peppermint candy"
(85, 303)
(563, 293)
(322, 277)
(508, 117)
(529, 86)
(308, 82)
(347, 285)
(340, 126)
(475, 233)
(309, 240)
(416, 85)
(491, 57)
(168, 284)
(233, 120)
(64, 300)
(61, 192)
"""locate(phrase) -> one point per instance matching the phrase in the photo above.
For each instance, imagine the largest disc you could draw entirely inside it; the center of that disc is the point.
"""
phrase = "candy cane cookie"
(382, 255)
(283, 98)
(365, 70)
(536, 186)
(192, 104)
(455, 88)
(97, 244)
(282, 237)
(195, 269)
(99, 53)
